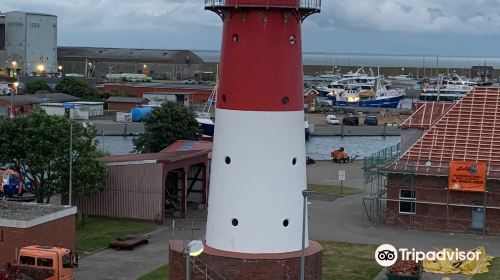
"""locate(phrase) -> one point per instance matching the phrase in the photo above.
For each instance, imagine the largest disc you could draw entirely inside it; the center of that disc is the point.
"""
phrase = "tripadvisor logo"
(387, 255)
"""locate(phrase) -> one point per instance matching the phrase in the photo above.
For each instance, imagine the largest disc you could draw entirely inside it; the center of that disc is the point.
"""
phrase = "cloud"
(123, 14)
(434, 16)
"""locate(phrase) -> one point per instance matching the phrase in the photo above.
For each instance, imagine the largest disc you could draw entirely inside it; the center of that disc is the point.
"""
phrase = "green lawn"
(160, 273)
(332, 189)
(344, 261)
(493, 274)
(96, 233)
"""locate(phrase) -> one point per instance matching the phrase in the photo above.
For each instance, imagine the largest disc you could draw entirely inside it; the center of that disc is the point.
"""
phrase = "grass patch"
(493, 274)
(332, 189)
(160, 273)
(344, 261)
(96, 233)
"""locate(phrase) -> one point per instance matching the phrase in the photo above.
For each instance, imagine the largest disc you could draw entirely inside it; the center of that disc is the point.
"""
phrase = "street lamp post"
(192, 249)
(16, 84)
(305, 193)
(70, 193)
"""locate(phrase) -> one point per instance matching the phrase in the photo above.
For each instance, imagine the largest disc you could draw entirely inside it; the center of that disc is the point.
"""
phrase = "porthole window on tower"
(294, 161)
(286, 222)
(227, 160)
(285, 100)
(293, 40)
(236, 38)
(234, 222)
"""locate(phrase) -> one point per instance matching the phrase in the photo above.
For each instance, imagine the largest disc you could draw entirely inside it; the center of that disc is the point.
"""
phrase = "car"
(350, 120)
(371, 120)
(332, 119)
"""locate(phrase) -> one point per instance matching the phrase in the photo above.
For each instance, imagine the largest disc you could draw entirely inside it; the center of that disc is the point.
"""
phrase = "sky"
(408, 27)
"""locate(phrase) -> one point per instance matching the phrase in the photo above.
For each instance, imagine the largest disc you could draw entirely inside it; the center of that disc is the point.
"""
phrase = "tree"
(77, 88)
(37, 146)
(34, 86)
(171, 122)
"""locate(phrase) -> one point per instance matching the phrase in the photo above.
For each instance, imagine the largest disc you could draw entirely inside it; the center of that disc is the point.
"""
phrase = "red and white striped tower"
(258, 172)
(258, 165)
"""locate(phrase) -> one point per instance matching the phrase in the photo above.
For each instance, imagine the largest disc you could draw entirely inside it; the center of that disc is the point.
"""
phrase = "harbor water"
(318, 148)
(382, 60)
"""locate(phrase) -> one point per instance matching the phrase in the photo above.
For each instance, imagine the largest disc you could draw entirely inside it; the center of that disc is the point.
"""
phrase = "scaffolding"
(376, 181)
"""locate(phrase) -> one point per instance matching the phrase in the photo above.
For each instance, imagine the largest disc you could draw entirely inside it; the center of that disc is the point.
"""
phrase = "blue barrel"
(140, 114)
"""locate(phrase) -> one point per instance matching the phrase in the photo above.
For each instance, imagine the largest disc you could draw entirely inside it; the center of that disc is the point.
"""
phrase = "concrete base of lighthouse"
(239, 266)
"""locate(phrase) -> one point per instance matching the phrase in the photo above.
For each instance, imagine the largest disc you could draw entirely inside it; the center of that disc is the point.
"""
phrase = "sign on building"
(467, 176)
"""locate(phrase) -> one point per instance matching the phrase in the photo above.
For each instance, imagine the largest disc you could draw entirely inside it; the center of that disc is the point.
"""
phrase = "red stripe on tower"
(261, 59)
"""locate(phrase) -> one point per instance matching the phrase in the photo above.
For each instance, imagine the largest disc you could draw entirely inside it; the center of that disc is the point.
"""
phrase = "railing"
(384, 156)
(301, 4)
(205, 270)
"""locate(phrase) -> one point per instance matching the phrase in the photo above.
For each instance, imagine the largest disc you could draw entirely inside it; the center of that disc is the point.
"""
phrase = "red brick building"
(24, 224)
(124, 104)
(198, 93)
(418, 194)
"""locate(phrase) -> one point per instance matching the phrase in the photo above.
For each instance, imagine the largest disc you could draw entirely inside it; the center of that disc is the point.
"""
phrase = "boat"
(402, 80)
(448, 88)
(372, 93)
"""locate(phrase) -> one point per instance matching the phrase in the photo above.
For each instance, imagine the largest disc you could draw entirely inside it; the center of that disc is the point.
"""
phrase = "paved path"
(129, 265)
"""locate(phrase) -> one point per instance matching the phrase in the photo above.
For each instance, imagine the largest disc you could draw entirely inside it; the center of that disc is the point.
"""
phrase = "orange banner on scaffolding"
(467, 176)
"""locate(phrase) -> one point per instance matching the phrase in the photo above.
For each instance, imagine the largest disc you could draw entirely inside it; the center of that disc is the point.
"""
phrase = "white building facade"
(29, 42)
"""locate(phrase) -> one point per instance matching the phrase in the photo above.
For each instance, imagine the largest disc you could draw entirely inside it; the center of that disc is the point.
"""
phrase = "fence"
(304, 4)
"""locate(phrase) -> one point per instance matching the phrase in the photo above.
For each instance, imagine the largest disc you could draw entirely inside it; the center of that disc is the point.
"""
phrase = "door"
(477, 218)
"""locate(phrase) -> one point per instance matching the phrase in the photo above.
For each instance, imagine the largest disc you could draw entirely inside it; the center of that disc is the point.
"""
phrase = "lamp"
(192, 249)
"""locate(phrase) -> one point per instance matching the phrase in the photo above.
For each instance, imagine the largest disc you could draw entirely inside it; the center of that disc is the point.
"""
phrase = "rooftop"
(131, 55)
(24, 215)
(151, 157)
(426, 114)
(188, 145)
(39, 98)
(468, 131)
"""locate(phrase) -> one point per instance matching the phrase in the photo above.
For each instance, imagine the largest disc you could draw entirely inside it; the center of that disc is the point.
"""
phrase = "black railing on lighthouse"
(303, 4)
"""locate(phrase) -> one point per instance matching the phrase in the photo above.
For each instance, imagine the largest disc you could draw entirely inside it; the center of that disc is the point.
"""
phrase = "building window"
(407, 204)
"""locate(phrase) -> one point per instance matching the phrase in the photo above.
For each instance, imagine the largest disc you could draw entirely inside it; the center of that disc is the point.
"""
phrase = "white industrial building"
(81, 110)
(28, 43)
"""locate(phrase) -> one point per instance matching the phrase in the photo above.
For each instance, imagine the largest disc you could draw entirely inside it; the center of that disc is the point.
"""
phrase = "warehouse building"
(28, 44)
(449, 179)
(24, 224)
(158, 64)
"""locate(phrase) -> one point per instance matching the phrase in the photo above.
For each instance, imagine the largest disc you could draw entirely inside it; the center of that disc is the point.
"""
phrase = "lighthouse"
(258, 170)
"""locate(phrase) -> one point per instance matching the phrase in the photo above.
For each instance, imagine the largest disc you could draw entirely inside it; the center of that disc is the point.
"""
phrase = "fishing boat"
(447, 88)
(378, 95)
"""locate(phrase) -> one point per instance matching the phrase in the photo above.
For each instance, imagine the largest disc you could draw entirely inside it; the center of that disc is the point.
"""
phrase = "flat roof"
(151, 158)
(26, 215)
(128, 54)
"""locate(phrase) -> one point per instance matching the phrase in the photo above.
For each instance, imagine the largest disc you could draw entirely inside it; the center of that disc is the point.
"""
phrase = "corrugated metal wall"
(131, 191)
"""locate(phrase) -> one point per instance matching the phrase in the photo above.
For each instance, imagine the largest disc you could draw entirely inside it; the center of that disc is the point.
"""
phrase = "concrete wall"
(132, 191)
(31, 40)
(428, 216)
(61, 232)
(41, 42)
